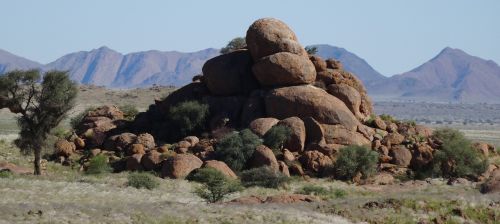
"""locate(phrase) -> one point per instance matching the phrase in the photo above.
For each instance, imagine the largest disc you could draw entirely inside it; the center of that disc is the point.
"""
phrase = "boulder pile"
(273, 81)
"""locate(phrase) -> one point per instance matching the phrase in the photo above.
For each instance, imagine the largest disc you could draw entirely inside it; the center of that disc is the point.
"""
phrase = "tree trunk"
(38, 170)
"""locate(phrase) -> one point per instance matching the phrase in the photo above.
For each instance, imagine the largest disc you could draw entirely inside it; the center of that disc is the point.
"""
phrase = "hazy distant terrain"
(451, 76)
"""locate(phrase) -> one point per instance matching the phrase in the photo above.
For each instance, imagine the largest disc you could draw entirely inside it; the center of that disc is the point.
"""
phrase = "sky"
(394, 36)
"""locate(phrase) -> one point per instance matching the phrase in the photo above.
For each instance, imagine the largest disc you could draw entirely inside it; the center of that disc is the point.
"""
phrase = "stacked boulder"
(275, 82)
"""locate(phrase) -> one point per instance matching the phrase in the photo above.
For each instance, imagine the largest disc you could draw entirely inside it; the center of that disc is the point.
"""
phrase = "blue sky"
(393, 36)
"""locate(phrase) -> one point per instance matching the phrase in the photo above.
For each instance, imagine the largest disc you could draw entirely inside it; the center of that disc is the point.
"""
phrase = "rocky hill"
(451, 76)
(273, 82)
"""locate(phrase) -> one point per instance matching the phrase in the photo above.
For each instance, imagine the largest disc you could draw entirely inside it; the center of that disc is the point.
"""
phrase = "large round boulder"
(284, 69)
(221, 167)
(338, 134)
(230, 74)
(260, 126)
(401, 156)
(64, 148)
(269, 36)
(180, 166)
(309, 101)
(348, 95)
(264, 156)
(297, 138)
(152, 160)
(315, 161)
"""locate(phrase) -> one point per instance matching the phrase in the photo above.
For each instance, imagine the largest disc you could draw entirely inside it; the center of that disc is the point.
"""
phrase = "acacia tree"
(41, 106)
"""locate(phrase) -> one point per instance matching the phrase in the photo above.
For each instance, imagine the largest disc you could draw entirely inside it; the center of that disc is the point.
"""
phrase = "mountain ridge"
(450, 76)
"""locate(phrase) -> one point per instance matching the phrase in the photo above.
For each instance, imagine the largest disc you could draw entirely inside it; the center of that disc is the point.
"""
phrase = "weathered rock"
(136, 149)
(64, 148)
(269, 36)
(193, 140)
(309, 101)
(422, 156)
(423, 131)
(283, 168)
(333, 64)
(288, 156)
(379, 123)
(221, 167)
(338, 134)
(401, 156)
(264, 156)
(393, 139)
(314, 131)
(120, 142)
(318, 62)
(482, 148)
(296, 169)
(297, 138)
(184, 144)
(147, 140)
(133, 162)
(95, 152)
(284, 69)
(348, 95)
(391, 127)
(109, 111)
(260, 126)
(315, 161)
(180, 166)
(230, 74)
(79, 143)
(492, 185)
(151, 160)
(327, 149)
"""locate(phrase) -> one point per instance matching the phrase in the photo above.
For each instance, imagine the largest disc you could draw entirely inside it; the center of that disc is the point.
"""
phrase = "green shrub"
(5, 174)
(129, 111)
(277, 136)
(354, 159)
(233, 45)
(76, 120)
(142, 180)
(187, 117)
(387, 117)
(98, 165)
(235, 149)
(263, 177)
(311, 50)
(456, 150)
(215, 185)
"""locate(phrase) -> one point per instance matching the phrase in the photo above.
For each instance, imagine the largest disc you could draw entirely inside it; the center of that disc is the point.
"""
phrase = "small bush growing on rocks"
(187, 117)
(129, 111)
(215, 185)
(387, 117)
(98, 165)
(355, 159)
(277, 136)
(235, 149)
(263, 177)
(142, 180)
(456, 157)
(233, 45)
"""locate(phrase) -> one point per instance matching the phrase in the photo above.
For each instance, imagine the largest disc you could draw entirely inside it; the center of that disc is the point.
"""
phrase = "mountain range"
(451, 76)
